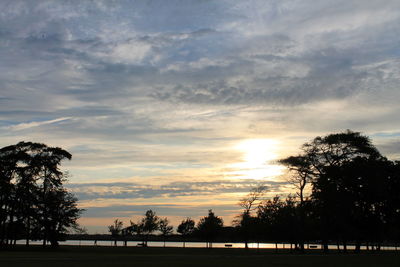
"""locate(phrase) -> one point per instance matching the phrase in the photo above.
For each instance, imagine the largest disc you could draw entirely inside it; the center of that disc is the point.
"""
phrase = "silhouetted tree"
(350, 182)
(134, 229)
(62, 215)
(31, 185)
(209, 227)
(392, 205)
(279, 220)
(116, 230)
(150, 223)
(79, 231)
(302, 175)
(186, 228)
(301, 178)
(245, 222)
(165, 228)
(13, 162)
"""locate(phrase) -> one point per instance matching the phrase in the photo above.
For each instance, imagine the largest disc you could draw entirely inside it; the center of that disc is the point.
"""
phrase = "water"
(153, 244)
(191, 244)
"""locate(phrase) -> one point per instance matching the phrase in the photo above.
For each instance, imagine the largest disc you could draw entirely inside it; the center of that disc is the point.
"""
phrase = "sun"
(257, 159)
(258, 151)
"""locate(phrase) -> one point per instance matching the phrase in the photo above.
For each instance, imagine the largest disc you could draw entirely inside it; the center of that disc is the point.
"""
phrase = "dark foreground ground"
(164, 257)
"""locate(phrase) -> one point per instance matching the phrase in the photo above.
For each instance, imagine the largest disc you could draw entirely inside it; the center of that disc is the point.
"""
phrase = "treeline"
(208, 228)
(34, 205)
(347, 193)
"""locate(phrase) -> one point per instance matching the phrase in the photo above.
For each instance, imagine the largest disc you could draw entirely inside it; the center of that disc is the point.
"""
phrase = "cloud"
(124, 190)
(24, 126)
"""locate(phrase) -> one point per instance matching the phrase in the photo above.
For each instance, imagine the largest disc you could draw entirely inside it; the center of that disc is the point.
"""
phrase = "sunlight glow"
(258, 155)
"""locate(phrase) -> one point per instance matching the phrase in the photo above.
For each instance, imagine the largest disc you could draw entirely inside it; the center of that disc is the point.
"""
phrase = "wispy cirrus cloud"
(24, 126)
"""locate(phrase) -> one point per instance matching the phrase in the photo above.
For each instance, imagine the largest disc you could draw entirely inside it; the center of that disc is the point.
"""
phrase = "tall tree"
(30, 178)
(116, 230)
(209, 227)
(301, 173)
(246, 223)
(150, 223)
(165, 228)
(324, 162)
(61, 216)
(186, 228)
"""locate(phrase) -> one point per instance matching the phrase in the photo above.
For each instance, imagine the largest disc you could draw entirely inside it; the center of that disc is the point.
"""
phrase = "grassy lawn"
(147, 257)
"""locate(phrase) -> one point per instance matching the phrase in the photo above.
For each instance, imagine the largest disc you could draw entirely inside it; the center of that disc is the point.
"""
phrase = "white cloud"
(27, 125)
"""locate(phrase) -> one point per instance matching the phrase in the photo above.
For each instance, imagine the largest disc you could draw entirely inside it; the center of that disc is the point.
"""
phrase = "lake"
(193, 244)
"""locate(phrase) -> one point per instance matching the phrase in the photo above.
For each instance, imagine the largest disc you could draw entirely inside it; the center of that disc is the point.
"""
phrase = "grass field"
(165, 257)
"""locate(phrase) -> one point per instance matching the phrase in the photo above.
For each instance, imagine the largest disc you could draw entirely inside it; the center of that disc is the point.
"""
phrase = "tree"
(302, 175)
(392, 205)
(301, 178)
(267, 215)
(186, 228)
(80, 231)
(150, 224)
(165, 228)
(246, 223)
(46, 161)
(62, 215)
(209, 227)
(357, 193)
(331, 164)
(14, 160)
(279, 219)
(116, 230)
(31, 185)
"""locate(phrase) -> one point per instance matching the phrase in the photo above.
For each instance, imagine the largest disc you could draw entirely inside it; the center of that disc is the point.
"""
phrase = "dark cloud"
(90, 191)
(181, 210)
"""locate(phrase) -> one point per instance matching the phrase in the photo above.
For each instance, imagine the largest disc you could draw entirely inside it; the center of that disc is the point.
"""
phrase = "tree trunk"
(358, 246)
(44, 206)
(325, 246)
(10, 228)
(28, 231)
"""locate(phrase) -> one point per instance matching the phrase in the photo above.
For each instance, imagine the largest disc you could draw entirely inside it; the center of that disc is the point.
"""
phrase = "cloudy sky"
(182, 106)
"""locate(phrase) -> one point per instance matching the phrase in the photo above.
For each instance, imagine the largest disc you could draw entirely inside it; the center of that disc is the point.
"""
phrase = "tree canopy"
(351, 186)
(33, 202)
(209, 227)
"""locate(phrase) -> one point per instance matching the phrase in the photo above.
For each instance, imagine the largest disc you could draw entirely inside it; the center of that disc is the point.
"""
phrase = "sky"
(181, 106)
